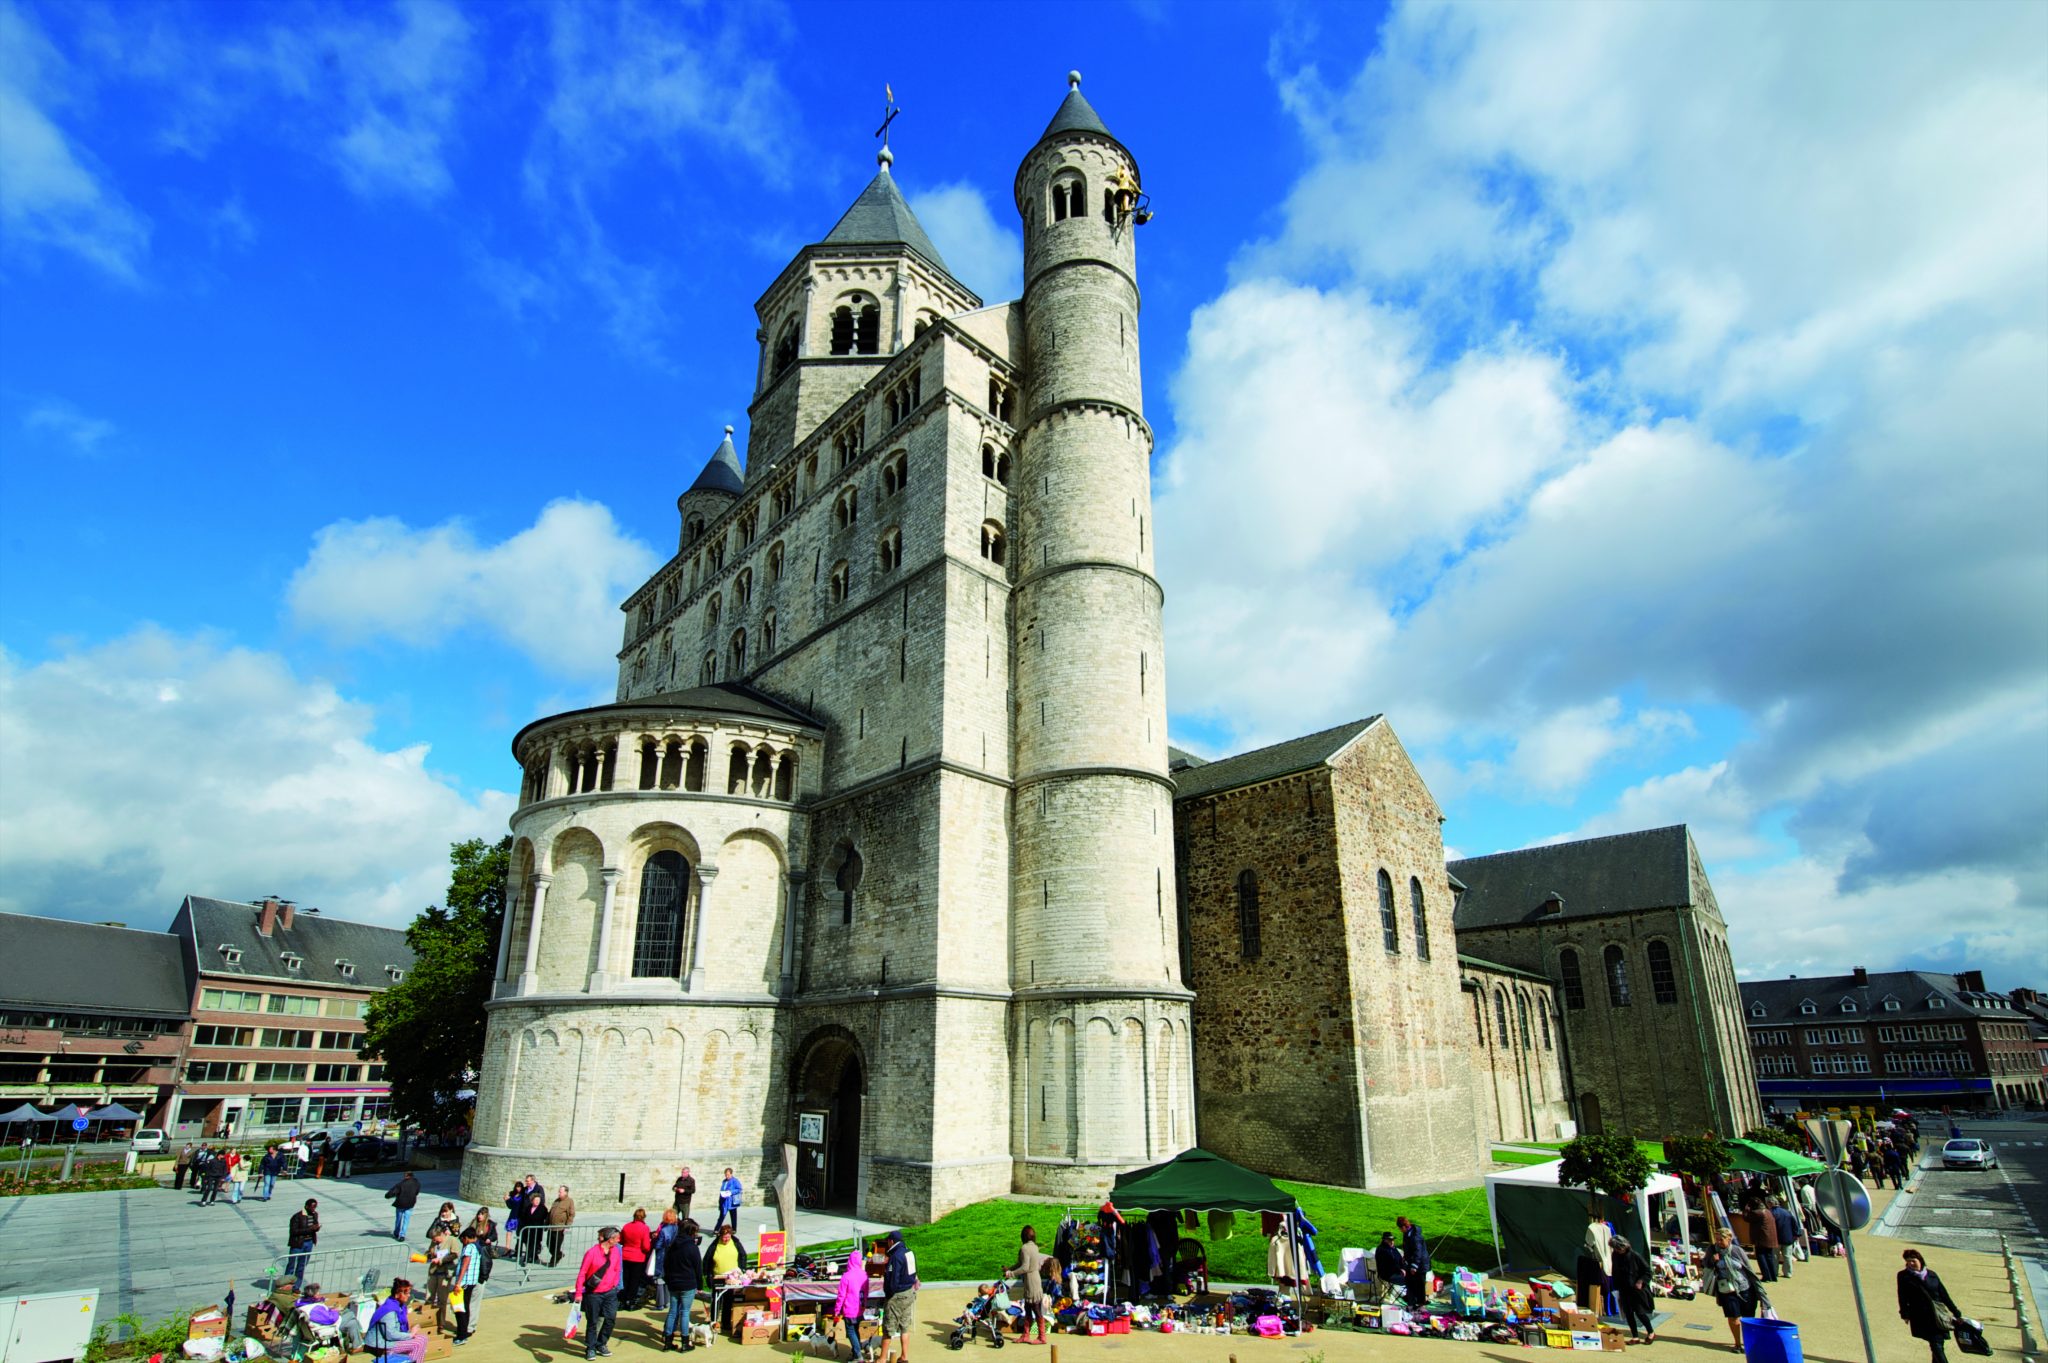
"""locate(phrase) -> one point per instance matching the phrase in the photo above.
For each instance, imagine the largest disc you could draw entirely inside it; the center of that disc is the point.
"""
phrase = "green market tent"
(1754, 1157)
(1540, 1223)
(1198, 1180)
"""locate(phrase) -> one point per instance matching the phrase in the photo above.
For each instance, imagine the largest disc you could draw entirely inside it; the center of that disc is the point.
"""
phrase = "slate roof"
(881, 216)
(1594, 877)
(1180, 759)
(724, 698)
(722, 471)
(1075, 114)
(318, 939)
(1267, 764)
(1496, 968)
(1782, 999)
(66, 966)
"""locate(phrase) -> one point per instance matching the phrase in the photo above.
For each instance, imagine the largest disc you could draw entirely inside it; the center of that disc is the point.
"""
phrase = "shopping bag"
(455, 1299)
(574, 1322)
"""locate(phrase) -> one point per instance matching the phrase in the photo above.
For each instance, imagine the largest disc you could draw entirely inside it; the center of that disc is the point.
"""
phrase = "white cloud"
(988, 256)
(51, 196)
(156, 766)
(1451, 489)
(84, 434)
(550, 591)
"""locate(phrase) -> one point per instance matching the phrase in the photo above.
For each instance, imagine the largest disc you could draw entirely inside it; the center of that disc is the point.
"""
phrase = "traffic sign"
(1843, 1198)
(78, 1123)
(1830, 1137)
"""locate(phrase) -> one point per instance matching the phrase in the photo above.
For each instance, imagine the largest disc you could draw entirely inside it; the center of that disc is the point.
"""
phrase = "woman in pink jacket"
(852, 1299)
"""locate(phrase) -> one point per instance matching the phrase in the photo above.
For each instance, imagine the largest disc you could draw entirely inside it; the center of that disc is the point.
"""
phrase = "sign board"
(774, 1244)
(810, 1128)
(1843, 1198)
(78, 1123)
(1830, 1137)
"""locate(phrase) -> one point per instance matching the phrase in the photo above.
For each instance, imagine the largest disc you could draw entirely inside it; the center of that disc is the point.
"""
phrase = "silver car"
(1966, 1152)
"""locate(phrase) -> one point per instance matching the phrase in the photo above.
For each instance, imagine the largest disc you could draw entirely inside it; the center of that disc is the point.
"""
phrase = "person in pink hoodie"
(852, 1299)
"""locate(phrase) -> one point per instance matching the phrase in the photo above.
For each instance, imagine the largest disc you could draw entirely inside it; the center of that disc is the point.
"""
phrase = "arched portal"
(1589, 1114)
(831, 1084)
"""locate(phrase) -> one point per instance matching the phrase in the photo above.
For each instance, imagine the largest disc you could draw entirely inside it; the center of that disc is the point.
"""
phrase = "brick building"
(90, 1013)
(1627, 929)
(277, 995)
(1332, 1036)
(1911, 1038)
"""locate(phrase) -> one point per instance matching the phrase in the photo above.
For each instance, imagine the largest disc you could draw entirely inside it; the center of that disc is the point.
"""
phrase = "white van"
(149, 1140)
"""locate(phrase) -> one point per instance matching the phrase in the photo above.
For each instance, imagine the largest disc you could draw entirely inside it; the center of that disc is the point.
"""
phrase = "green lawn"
(1522, 1157)
(980, 1241)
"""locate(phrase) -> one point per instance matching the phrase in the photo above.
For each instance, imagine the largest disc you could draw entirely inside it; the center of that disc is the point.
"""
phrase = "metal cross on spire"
(889, 112)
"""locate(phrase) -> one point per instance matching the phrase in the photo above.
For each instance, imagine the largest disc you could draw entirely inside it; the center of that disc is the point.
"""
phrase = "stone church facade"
(880, 849)
(873, 852)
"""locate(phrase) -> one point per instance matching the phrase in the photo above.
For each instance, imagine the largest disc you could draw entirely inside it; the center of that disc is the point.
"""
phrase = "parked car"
(149, 1140)
(368, 1150)
(1967, 1152)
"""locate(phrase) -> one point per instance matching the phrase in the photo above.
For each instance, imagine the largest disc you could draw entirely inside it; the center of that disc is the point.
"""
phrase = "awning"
(1754, 1157)
(114, 1112)
(25, 1113)
(1199, 1180)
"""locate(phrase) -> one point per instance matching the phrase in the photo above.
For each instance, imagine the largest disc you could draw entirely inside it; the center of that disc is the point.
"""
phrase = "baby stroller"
(987, 1313)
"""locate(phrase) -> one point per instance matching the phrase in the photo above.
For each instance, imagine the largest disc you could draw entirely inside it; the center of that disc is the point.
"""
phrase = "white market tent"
(1539, 1223)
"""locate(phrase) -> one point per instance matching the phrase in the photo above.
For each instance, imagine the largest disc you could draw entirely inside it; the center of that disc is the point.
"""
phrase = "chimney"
(1862, 975)
(267, 919)
(285, 921)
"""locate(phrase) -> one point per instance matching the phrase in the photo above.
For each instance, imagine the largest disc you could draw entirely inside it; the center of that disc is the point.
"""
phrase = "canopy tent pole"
(1500, 1257)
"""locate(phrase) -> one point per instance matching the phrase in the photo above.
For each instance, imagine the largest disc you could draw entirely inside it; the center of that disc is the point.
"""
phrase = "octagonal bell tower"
(1102, 1066)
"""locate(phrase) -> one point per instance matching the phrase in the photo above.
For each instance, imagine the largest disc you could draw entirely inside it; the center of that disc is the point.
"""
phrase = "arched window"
(785, 348)
(739, 652)
(842, 582)
(1248, 914)
(846, 511)
(1614, 965)
(889, 550)
(743, 588)
(1421, 918)
(1390, 930)
(856, 326)
(693, 771)
(712, 609)
(895, 475)
(1663, 982)
(1522, 1016)
(1500, 1017)
(995, 464)
(775, 561)
(768, 632)
(658, 935)
(868, 329)
(1574, 984)
(1479, 1015)
(992, 546)
(846, 879)
(1069, 197)
(1543, 1024)
(736, 769)
(785, 777)
(709, 672)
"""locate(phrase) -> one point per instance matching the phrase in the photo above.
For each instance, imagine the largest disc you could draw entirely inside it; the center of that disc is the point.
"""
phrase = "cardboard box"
(1581, 1322)
(1612, 1341)
(1586, 1340)
(1543, 1297)
(208, 1323)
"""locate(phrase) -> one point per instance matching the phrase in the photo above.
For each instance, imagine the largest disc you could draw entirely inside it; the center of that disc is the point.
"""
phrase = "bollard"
(1055, 1354)
(69, 1151)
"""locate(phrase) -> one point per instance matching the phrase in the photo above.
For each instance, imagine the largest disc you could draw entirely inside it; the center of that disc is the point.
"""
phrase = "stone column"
(786, 986)
(601, 978)
(505, 927)
(529, 979)
(902, 300)
(803, 318)
(693, 966)
(558, 770)
(626, 773)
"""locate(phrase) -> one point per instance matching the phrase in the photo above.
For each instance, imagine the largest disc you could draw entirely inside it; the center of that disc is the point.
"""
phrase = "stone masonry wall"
(1520, 1070)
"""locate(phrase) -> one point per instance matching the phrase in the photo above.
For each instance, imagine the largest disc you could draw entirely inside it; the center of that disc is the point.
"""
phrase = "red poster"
(774, 1244)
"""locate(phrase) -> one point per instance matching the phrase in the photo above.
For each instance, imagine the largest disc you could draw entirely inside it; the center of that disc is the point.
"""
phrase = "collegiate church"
(881, 850)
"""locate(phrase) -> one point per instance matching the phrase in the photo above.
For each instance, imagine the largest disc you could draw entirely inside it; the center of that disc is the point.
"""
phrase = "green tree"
(1700, 1158)
(428, 1029)
(1611, 1164)
(1778, 1136)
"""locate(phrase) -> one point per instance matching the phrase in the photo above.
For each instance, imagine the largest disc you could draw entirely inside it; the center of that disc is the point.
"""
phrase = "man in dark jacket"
(685, 1188)
(299, 1237)
(404, 1195)
(1789, 1234)
(1921, 1297)
(270, 1168)
(683, 1270)
(899, 1299)
(1415, 1259)
(1388, 1265)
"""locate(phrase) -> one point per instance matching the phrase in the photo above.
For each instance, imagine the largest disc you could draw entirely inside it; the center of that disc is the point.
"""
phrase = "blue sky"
(1642, 406)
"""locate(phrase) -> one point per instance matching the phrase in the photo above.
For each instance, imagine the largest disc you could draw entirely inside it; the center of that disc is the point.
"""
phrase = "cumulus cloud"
(52, 193)
(987, 255)
(551, 591)
(158, 765)
(1566, 379)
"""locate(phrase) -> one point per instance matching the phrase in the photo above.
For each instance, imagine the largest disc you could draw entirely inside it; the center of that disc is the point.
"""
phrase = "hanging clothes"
(1280, 1259)
(1270, 1223)
(1305, 1232)
(1222, 1225)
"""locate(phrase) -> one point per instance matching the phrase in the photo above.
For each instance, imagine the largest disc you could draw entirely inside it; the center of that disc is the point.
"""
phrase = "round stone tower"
(1103, 1070)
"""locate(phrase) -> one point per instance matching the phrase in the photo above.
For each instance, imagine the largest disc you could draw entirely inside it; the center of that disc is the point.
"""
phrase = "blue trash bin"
(1770, 1341)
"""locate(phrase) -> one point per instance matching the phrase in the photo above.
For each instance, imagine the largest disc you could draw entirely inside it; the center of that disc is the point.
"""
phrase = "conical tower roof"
(882, 216)
(1075, 113)
(722, 471)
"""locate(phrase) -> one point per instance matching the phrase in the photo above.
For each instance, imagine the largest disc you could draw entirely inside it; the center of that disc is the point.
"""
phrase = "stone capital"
(610, 874)
(708, 872)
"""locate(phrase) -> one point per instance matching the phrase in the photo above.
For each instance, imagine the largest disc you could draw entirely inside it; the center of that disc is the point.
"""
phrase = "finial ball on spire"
(728, 430)
(885, 158)
(1073, 80)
